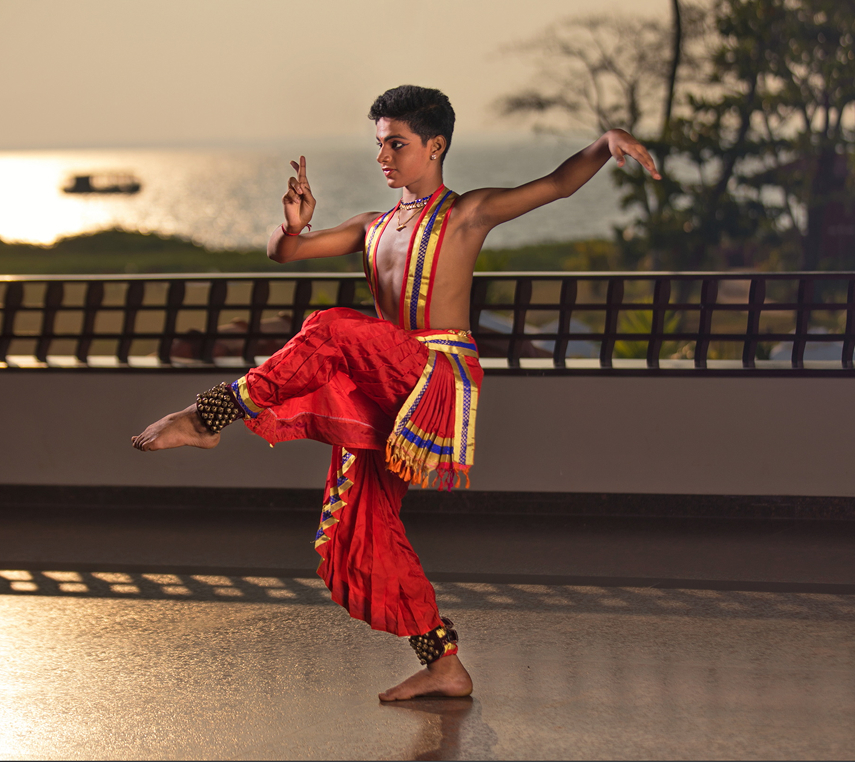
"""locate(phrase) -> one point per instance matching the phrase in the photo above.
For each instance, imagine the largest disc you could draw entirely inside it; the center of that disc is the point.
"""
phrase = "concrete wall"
(717, 436)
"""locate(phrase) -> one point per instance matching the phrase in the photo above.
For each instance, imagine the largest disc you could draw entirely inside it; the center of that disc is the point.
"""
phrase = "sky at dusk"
(99, 73)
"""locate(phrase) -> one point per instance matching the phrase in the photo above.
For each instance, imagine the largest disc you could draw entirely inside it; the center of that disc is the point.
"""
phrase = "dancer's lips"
(387, 171)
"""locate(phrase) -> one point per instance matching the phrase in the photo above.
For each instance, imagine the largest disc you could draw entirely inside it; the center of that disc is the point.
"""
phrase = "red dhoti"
(384, 397)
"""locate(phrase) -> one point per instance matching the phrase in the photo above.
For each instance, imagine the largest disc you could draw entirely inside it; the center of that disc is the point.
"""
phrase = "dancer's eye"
(397, 145)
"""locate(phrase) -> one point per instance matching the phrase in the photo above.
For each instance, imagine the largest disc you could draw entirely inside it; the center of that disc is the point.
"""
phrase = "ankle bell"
(217, 408)
(435, 644)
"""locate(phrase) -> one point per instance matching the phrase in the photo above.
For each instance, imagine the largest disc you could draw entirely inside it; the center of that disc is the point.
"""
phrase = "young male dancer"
(395, 395)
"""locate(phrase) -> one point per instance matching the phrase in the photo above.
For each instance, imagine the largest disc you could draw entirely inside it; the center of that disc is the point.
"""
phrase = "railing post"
(661, 297)
(216, 299)
(709, 295)
(802, 320)
(346, 293)
(53, 301)
(92, 302)
(133, 302)
(174, 300)
(258, 301)
(614, 298)
(849, 341)
(12, 301)
(756, 299)
(302, 300)
(569, 291)
(522, 299)
(477, 300)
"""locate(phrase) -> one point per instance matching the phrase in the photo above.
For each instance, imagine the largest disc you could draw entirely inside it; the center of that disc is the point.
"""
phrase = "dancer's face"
(402, 156)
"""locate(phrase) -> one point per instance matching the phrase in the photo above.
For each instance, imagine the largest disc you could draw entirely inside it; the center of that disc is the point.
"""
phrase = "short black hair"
(427, 111)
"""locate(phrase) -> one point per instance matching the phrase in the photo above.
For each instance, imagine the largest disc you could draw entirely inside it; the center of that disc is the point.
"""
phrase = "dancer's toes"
(176, 430)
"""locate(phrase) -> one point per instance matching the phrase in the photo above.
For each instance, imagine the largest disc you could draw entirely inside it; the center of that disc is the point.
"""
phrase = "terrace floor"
(175, 634)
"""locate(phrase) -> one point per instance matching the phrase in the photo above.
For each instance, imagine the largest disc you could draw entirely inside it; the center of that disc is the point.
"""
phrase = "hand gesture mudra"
(298, 203)
(622, 144)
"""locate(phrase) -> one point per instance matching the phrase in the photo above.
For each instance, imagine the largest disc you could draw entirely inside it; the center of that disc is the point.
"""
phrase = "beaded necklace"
(418, 203)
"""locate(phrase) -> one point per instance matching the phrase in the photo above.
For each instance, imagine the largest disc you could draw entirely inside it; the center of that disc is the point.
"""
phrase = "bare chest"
(390, 264)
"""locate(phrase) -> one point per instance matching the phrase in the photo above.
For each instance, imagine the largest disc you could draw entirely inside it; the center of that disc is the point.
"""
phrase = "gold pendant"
(402, 225)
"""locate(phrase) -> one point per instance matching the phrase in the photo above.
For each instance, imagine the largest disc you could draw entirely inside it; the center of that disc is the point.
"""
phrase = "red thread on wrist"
(287, 233)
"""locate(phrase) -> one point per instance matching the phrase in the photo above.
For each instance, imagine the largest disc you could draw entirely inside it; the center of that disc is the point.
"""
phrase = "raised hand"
(622, 144)
(298, 203)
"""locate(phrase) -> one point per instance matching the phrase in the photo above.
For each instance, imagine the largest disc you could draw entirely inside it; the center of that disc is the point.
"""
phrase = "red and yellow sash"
(372, 241)
(435, 429)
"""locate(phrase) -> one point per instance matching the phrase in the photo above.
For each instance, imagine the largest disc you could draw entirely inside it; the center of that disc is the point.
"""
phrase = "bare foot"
(444, 677)
(176, 430)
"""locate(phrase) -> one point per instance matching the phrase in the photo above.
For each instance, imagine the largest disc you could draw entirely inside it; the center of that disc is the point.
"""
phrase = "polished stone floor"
(173, 635)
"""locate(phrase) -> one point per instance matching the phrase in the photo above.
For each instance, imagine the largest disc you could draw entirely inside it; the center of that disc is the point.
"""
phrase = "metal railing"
(523, 322)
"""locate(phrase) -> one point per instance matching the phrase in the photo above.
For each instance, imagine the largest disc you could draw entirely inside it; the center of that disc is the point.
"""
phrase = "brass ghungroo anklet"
(217, 408)
(436, 643)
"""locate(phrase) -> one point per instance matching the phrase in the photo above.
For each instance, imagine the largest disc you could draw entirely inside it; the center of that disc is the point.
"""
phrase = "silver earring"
(433, 156)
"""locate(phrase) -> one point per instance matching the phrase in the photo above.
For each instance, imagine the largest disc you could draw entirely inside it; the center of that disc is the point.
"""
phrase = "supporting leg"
(372, 570)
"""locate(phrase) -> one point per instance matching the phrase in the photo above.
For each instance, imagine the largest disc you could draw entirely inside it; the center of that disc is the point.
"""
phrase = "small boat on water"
(116, 182)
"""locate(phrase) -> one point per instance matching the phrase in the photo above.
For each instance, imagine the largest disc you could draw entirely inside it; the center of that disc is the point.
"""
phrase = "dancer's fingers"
(643, 157)
(646, 161)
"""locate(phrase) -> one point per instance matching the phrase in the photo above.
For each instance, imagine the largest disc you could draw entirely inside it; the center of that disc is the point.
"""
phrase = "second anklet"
(217, 408)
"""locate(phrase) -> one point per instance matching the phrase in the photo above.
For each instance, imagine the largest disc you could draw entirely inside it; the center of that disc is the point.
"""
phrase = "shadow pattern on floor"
(292, 590)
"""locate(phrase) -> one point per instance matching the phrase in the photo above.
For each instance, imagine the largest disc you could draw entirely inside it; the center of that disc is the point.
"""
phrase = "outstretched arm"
(489, 207)
(288, 243)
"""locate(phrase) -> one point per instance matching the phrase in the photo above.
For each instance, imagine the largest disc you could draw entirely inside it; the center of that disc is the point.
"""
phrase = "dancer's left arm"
(487, 207)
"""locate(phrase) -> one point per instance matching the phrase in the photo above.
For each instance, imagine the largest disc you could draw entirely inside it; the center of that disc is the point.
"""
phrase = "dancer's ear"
(437, 146)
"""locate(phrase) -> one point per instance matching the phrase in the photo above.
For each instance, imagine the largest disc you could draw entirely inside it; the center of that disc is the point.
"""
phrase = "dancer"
(395, 395)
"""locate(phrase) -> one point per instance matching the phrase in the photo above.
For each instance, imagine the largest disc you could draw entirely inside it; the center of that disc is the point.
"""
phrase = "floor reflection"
(447, 726)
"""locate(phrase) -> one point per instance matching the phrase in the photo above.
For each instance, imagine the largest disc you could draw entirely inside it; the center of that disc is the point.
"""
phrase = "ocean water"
(230, 198)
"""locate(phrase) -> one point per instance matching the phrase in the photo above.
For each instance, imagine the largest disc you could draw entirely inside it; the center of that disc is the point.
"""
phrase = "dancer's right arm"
(288, 243)
(347, 238)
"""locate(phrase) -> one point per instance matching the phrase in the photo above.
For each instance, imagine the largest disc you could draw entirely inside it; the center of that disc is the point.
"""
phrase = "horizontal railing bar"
(283, 307)
(683, 307)
(581, 307)
(539, 337)
(534, 276)
(764, 337)
(187, 277)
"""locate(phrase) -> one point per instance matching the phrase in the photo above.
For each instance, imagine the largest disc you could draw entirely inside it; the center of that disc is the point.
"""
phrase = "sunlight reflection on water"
(231, 198)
